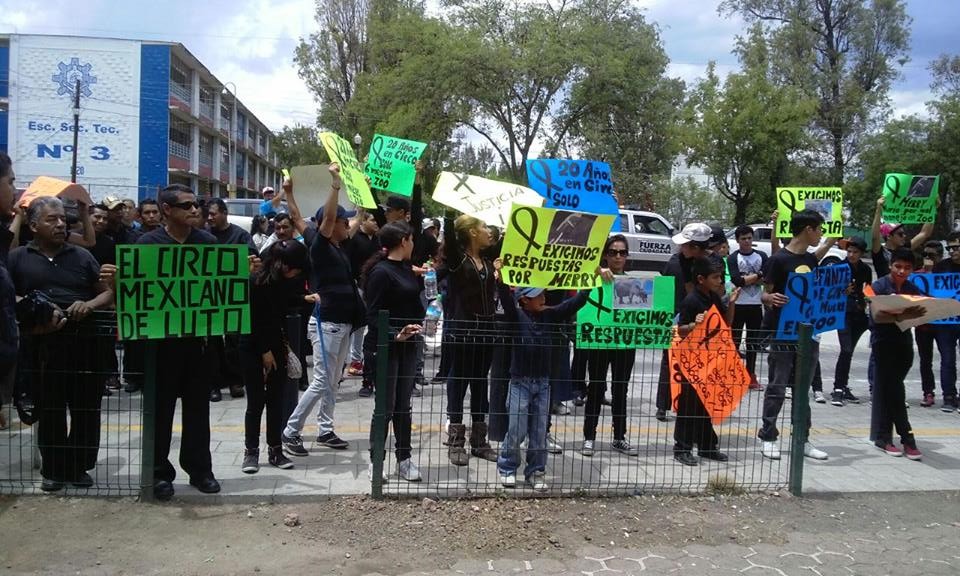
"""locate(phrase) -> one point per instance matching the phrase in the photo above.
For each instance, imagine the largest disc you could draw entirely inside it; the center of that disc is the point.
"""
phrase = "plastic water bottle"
(433, 318)
(430, 284)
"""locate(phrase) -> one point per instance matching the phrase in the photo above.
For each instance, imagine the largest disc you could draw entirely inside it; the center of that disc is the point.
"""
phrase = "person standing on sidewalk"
(948, 335)
(339, 312)
(746, 272)
(856, 321)
(894, 354)
(806, 230)
(925, 334)
(361, 247)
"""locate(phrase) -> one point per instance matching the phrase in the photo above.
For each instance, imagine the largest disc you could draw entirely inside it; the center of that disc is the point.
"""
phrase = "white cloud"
(909, 102)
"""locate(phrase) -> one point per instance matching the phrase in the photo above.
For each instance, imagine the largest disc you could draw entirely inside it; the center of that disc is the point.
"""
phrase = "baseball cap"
(858, 243)
(267, 190)
(342, 213)
(889, 228)
(427, 223)
(396, 203)
(694, 232)
(112, 202)
(528, 292)
(717, 236)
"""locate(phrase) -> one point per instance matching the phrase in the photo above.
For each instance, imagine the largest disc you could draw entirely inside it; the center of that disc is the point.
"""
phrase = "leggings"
(621, 363)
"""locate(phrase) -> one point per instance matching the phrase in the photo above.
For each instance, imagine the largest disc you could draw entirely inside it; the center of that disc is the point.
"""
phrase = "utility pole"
(76, 132)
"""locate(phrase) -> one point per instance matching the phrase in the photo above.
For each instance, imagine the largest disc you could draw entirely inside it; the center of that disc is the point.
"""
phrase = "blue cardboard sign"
(818, 298)
(944, 285)
(580, 185)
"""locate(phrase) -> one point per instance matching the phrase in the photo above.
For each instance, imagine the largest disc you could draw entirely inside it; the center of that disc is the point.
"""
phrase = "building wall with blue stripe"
(154, 118)
(4, 93)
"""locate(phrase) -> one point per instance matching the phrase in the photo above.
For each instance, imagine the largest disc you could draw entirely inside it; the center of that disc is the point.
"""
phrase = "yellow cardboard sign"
(351, 172)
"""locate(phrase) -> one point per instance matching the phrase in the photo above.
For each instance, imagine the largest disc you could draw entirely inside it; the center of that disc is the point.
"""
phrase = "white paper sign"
(488, 200)
(934, 308)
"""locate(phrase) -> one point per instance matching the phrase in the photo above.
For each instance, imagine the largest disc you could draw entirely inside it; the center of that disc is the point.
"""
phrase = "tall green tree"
(844, 53)
(299, 145)
(743, 131)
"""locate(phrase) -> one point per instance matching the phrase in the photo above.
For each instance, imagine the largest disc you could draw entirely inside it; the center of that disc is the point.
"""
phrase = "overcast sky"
(251, 42)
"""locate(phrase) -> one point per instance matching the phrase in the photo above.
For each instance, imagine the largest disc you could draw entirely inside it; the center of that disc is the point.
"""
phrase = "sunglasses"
(622, 253)
(953, 247)
(899, 233)
(931, 255)
(185, 205)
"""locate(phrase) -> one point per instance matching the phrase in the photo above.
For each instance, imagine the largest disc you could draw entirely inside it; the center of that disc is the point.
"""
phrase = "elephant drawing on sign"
(630, 293)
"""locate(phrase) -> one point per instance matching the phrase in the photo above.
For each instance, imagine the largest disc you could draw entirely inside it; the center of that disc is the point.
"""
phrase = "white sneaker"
(538, 481)
(508, 480)
(553, 446)
(788, 394)
(811, 451)
(409, 471)
(587, 449)
(770, 450)
(370, 473)
(819, 398)
(561, 409)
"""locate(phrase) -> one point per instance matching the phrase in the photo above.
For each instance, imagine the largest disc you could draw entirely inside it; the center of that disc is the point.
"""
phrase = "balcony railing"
(180, 91)
(179, 150)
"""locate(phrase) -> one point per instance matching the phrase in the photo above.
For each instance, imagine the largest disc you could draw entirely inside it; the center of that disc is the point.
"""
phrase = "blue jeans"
(947, 337)
(528, 402)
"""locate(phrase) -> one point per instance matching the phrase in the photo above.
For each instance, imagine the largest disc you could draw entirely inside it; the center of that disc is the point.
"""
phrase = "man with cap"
(339, 312)
(427, 245)
(271, 201)
(116, 226)
(692, 241)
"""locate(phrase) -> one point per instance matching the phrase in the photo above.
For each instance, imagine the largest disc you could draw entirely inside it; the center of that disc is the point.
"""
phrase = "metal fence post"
(380, 406)
(148, 422)
(803, 369)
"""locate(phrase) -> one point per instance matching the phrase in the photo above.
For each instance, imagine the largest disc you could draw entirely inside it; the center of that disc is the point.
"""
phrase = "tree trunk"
(740, 216)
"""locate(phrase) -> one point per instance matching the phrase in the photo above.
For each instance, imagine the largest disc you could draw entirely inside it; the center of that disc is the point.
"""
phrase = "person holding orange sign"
(694, 426)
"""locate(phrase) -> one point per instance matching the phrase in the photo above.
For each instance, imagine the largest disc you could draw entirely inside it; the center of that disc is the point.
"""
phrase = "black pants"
(499, 387)
(693, 427)
(225, 355)
(749, 317)
(924, 336)
(620, 362)
(181, 373)
(578, 372)
(65, 375)
(470, 364)
(888, 411)
(401, 373)
(263, 393)
(857, 324)
(134, 352)
(664, 396)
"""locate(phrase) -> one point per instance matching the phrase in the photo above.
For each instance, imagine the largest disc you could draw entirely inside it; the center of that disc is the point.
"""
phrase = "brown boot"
(456, 438)
(479, 446)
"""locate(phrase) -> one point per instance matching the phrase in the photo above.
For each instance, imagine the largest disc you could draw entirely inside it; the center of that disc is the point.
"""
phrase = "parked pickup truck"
(649, 238)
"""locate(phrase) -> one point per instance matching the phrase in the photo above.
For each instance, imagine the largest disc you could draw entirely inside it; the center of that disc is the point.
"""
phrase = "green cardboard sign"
(391, 163)
(182, 291)
(628, 313)
(827, 201)
(909, 199)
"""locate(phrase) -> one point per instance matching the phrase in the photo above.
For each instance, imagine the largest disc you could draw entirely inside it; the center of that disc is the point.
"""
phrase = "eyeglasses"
(621, 253)
(953, 247)
(186, 205)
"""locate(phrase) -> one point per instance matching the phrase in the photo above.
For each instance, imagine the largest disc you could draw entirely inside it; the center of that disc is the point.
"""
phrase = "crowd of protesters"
(319, 283)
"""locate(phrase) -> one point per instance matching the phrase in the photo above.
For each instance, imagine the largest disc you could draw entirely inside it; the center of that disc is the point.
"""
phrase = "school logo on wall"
(67, 78)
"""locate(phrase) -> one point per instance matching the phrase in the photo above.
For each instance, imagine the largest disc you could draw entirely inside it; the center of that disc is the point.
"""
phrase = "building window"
(206, 101)
(252, 135)
(206, 150)
(224, 115)
(251, 172)
(262, 145)
(180, 84)
(241, 161)
(224, 157)
(180, 140)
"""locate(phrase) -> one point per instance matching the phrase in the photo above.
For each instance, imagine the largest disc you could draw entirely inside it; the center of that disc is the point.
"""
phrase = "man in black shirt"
(806, 229)
(116, 228)
(9, 332)
(180, 363)
(856, 321)
(68, 276)
(225, 350)
(948, 335)
(149, 215)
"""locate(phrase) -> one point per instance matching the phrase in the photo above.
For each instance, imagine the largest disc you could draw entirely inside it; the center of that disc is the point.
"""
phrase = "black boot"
(479, 446)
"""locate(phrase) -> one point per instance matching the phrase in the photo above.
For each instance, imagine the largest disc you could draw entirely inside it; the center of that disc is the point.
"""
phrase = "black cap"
(858, 243)
(717, 236)
(396, 203)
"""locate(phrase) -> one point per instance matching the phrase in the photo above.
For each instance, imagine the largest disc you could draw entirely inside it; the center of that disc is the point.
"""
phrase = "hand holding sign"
(354, 180)
(628, 313)
(488, 200)
(828, 202)
(584, 185)
(817, 298)
(392, 163)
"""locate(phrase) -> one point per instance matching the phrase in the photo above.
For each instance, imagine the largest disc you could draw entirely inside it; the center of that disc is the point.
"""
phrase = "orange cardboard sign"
(47, 186)
(708, 359)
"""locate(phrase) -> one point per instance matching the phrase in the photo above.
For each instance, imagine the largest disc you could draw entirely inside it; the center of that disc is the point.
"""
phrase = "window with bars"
(206, 150)
(179, 140)
(224, 157)
(180, 84)
(206, 101)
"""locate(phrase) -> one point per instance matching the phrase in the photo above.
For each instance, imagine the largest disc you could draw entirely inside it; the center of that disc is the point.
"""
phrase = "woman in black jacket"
(278, 286)
(391, 285)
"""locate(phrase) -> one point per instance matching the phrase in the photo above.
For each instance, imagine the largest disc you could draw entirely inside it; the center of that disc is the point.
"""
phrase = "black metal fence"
(647, 462)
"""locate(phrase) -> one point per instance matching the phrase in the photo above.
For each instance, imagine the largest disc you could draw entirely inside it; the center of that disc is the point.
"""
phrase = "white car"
(240, 211)
(761, 243)
(649, 236)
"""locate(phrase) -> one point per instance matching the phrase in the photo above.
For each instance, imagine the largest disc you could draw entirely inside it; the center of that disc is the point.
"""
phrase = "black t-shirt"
(160, 236)
(124, 235)
(860, 275)
(881, 261)
(696, 303)
(105, 250)
(360, 248)
(69, 276)
(332, 277)
(890, 333)
(392, 286)
(425, 248)
(779, 267)
(234, 234)
(945, 266)
(682, 271)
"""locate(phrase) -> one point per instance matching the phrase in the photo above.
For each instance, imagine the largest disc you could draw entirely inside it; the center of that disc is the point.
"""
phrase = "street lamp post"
(231, 169)
(357, 141)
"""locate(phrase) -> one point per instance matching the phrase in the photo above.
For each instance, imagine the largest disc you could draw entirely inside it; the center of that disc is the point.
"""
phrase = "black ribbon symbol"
(599, 304)
(376, 148)
(803, 293)
(789, 200)
(462, 183)
(528, 236)
(895, 189)
(714, 328)
(545, 176)
(919, 279)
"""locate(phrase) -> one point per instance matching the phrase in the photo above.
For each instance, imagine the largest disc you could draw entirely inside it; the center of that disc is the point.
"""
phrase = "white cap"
(695, 232)
(427, 223)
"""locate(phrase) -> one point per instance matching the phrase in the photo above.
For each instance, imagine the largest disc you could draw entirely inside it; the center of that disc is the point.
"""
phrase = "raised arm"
(295, 215)
(89, 237)
(821, 252)
(875, 227)
(325, 228)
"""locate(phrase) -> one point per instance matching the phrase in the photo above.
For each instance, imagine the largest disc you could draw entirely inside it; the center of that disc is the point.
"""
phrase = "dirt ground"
(356, 535)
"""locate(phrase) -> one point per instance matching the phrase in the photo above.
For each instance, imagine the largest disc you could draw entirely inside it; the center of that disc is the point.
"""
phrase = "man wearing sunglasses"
(177, 361)
(948, 335)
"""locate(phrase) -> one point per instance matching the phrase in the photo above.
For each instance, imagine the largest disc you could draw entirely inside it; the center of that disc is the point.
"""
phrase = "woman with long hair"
(620, 362)
(472, 332)
(278, 286)
(391, 285)
(259, 230)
